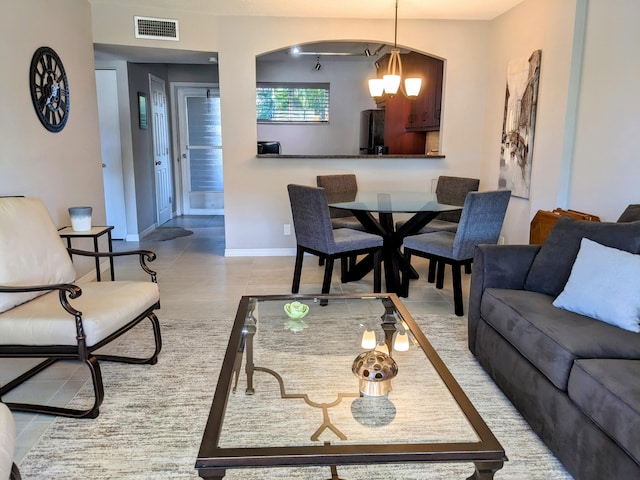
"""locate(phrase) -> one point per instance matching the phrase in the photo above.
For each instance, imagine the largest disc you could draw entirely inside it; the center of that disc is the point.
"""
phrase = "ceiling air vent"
(156, 28)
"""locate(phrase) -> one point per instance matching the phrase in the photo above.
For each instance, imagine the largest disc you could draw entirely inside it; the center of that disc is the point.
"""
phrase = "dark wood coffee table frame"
(487, 454)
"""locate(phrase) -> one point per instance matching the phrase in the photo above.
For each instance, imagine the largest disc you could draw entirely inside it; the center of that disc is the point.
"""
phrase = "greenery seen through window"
(292, 103)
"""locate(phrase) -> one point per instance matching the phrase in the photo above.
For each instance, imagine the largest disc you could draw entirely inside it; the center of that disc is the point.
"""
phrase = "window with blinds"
(292, 102)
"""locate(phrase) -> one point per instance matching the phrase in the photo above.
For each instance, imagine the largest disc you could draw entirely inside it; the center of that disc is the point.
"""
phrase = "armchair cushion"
(551, 268)
(106, 307)
(48, 261)
(7, 441)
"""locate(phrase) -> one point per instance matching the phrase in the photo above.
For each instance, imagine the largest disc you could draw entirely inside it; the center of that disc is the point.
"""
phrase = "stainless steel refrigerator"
(372, 132)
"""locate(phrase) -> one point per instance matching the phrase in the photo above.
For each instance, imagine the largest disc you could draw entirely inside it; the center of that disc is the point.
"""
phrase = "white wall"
(475, 54)
(256, 188)
(348, 97)
(532, 25)
(600, 162)
(606, 165)
(63, 169)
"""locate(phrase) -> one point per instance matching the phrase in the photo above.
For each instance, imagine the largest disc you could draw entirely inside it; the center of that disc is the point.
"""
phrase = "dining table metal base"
(392, 257)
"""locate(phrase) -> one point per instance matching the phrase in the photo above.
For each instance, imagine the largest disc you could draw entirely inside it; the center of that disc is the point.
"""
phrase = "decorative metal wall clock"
(49, 89)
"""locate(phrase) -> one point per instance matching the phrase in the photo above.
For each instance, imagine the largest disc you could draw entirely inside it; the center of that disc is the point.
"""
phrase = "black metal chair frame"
(80, 352)
(436, 273)
(316, 235)
(15, 473)
(328, 261)
(437, 262)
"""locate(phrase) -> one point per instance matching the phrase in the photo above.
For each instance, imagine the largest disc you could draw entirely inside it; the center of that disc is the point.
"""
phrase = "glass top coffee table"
(287, 394)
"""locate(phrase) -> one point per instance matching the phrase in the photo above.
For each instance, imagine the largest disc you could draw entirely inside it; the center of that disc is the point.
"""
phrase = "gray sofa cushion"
(630, 214)
(551, 267)
(608, 392)
(552, 338)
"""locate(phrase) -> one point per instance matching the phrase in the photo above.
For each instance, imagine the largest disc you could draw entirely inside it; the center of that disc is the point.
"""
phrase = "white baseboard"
(135, 237)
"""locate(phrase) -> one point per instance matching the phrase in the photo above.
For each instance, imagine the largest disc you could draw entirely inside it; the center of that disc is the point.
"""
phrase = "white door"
(200, 150)
(108, 118)
(161, 149)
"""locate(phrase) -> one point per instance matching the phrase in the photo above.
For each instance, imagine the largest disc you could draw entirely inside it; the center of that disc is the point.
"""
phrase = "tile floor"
(194, 278)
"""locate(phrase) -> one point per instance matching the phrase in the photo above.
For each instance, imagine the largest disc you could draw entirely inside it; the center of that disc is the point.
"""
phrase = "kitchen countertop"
(275, 155)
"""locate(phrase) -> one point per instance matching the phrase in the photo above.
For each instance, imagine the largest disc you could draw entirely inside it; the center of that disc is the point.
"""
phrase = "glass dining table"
(423, 206)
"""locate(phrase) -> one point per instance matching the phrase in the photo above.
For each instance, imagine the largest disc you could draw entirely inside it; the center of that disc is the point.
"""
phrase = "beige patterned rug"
(151, 422)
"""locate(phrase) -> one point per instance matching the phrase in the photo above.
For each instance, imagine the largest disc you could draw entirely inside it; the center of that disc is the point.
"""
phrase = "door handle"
(104, 165)
(158, 162)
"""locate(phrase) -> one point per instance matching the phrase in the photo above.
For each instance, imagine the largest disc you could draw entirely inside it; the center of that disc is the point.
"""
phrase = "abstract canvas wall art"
(518, 125)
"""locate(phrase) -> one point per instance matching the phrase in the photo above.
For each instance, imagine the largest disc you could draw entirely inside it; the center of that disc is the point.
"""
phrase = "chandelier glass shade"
(391, 82)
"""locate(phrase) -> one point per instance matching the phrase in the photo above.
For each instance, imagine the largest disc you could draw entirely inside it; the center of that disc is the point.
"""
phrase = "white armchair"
(44, 314)
(8, 469)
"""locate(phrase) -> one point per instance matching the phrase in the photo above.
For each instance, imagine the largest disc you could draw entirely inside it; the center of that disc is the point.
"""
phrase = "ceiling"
(418, 9)
(414, 9)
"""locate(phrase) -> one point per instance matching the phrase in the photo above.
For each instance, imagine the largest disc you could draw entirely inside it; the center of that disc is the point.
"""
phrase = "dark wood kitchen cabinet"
(425, 110)
(408, 120)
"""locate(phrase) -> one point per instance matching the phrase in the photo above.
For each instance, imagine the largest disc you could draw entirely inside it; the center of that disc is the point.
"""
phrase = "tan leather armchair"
(46, 313)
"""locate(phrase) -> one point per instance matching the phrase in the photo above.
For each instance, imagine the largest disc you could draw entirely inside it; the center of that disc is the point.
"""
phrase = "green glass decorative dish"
(296, 309)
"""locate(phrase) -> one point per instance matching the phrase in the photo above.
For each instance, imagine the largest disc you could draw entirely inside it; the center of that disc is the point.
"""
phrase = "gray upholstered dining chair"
(340, 188)
(480, 223)
(451, 191)
(316, 235)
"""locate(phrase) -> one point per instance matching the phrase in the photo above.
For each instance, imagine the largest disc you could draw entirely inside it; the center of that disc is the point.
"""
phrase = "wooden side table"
(95, 233)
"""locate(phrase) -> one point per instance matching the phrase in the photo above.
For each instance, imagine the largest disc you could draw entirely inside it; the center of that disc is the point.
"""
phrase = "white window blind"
(292, 102)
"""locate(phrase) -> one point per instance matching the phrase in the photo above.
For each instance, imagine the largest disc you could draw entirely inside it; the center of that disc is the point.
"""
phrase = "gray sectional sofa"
(575, 379)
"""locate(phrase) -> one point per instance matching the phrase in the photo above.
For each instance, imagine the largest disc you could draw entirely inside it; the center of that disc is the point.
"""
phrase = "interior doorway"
(111, 152)
(200, 142)
(161, 149)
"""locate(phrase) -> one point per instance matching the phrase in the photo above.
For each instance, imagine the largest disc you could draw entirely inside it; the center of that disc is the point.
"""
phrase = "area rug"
(162, 234)
(152, 419)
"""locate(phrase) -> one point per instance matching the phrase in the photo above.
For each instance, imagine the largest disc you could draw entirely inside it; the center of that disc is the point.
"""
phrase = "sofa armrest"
(496, 266)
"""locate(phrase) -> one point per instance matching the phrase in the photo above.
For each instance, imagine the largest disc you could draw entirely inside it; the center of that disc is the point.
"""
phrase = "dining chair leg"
(297, 271)
(457, 289)
(377, 271)
(406, 268)
(344, 269)
(328, 270)
(440, 274)
(431, 276)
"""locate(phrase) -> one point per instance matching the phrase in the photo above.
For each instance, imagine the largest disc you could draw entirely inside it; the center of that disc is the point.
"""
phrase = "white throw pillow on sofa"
(604, 284)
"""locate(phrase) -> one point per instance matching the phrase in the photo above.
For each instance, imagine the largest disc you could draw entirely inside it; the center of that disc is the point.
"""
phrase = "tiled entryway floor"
(195, 277)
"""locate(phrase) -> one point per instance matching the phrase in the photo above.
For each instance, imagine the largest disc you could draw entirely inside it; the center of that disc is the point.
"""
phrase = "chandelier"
(392, 81)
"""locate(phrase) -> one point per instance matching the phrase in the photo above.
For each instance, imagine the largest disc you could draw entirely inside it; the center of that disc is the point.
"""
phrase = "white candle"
(401, 342)
(369, 339)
